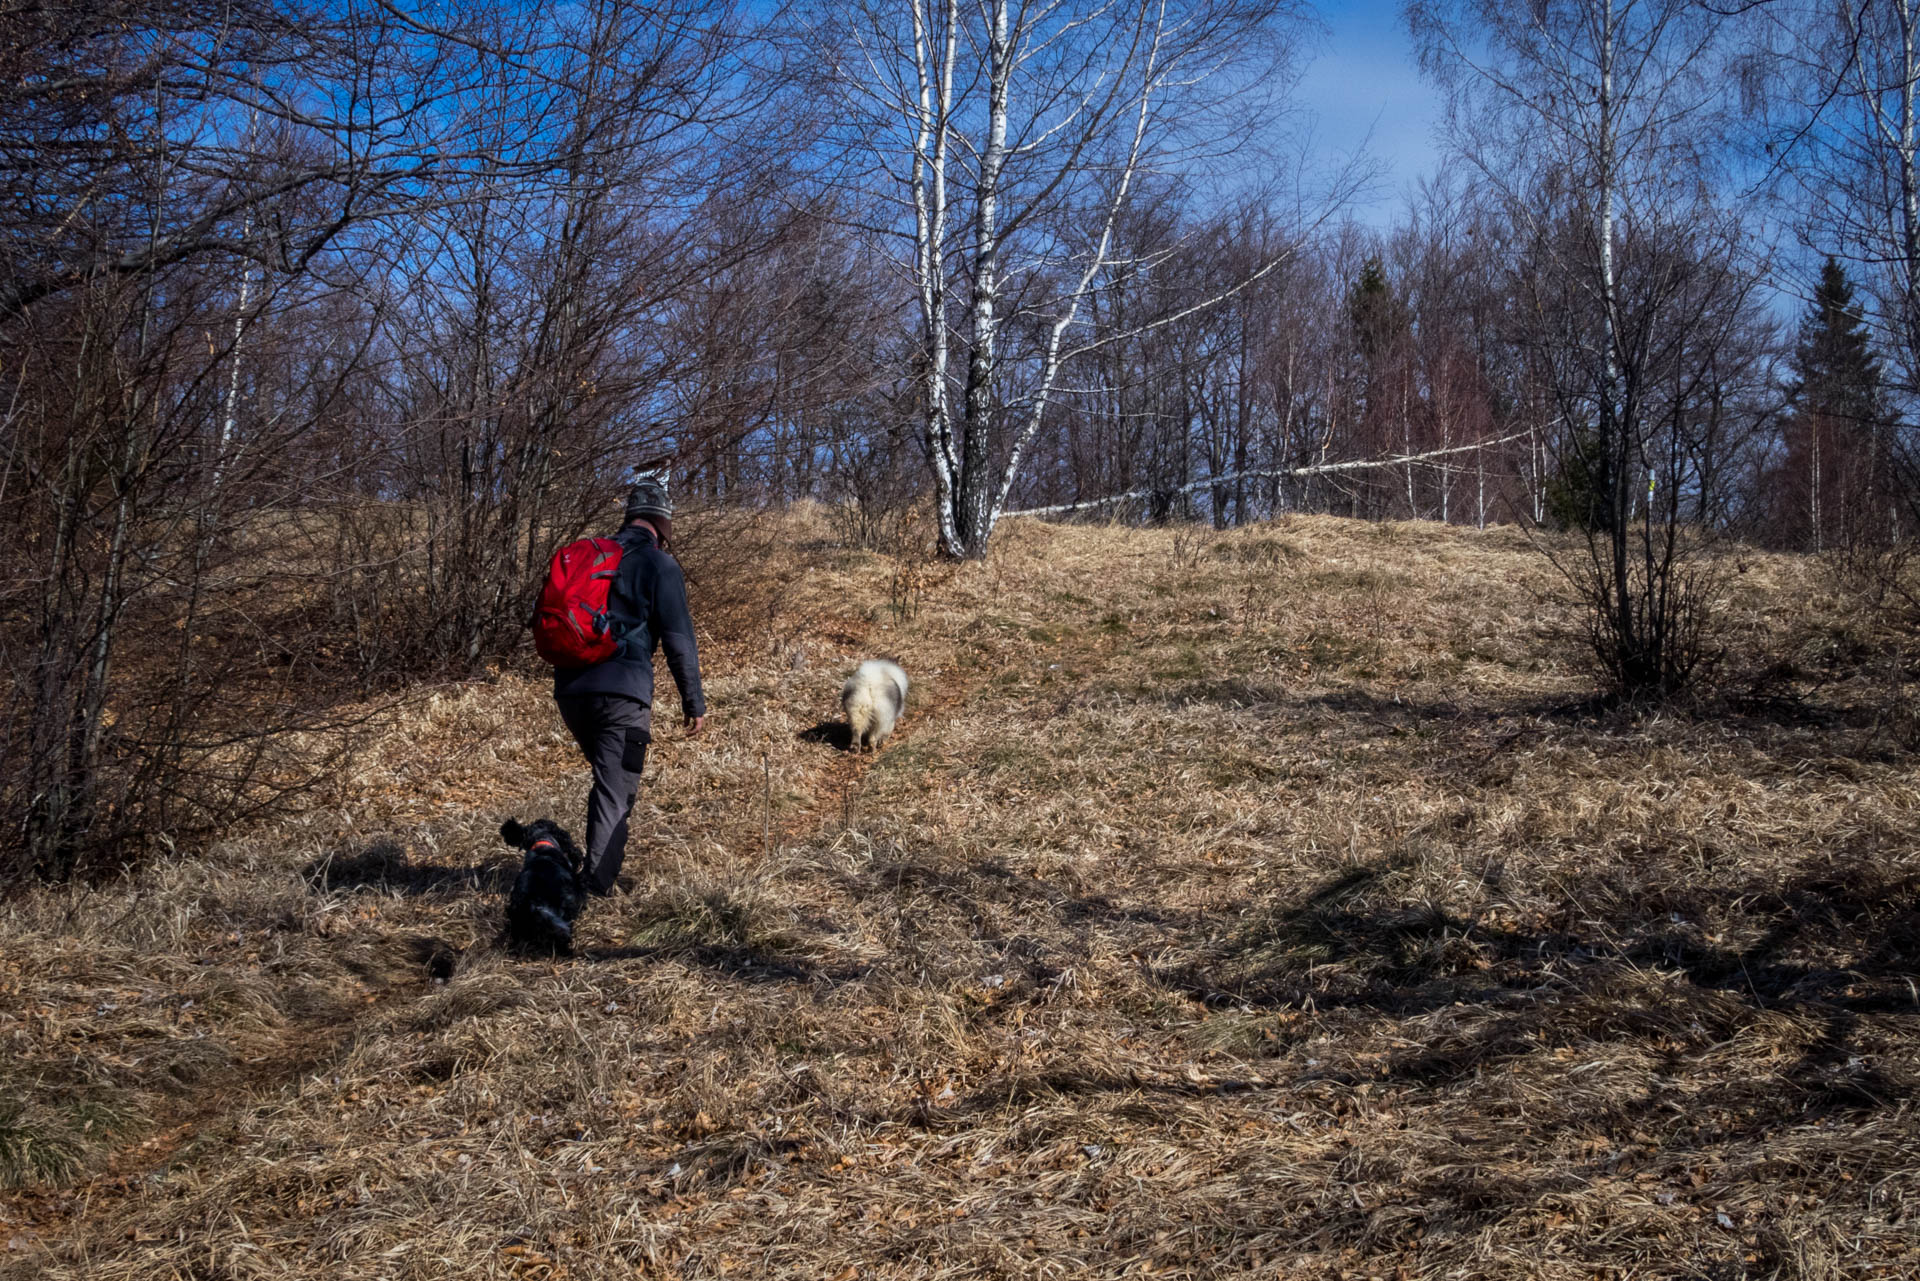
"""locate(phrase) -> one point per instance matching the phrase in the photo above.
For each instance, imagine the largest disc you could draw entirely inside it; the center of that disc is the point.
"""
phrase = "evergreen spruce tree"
(1580, 491)
(1381, 323)
(1379, 318)
(1836, 434)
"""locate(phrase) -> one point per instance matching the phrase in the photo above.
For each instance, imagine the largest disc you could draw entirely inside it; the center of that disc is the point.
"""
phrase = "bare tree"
(162, 161)
(998, 147)
(1587, 117)
(278, 126)
(541, 345)
(273, 267)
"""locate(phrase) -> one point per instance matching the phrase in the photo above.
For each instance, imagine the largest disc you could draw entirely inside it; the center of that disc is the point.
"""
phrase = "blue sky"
(1365, 80)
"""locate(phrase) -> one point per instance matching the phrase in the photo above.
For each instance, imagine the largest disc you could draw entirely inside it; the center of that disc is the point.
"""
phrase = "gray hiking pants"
(614, 732)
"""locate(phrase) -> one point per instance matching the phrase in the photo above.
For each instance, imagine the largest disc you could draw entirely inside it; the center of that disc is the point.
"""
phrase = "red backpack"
(572, 626)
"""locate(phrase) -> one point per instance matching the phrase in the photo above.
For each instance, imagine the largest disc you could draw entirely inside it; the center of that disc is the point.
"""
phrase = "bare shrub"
(878, 503)
(1648, 619)
(874, 526)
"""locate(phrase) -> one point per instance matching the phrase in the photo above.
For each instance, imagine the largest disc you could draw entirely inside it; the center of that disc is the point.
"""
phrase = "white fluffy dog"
(873, 697)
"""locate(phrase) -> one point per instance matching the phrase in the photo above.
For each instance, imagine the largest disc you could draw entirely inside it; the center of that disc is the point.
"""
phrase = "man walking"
(608, 707)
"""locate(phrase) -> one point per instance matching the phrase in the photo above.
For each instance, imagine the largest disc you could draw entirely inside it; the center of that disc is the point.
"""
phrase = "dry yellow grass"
(1248, 904)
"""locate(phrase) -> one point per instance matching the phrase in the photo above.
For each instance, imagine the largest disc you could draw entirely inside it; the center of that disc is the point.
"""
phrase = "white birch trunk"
(1909, 233)
(933, 64)
(1480, 462)
(229, 420)
(978, 501)
(1900, 139)
(1813, 482)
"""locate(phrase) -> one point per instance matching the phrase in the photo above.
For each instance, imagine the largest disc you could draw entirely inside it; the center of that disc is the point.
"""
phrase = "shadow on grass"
(835, 734)
(384, 866)
(1339, 946)
(741, 964)
(1837, 946)
(1627, 1063)
(1774, 708)
(716, 928)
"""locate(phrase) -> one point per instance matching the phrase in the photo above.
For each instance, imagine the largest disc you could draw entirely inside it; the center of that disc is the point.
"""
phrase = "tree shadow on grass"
(731, 935)
(742, 964)
(1621, 1045)
(1399, 711)
(1664, 1033)
(1342, 945)
(1839, 947)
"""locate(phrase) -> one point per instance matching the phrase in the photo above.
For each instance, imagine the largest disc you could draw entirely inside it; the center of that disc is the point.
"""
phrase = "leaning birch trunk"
(1050, 367)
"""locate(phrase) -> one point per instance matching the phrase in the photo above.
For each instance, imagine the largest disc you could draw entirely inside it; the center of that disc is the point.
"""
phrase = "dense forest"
(321, 324)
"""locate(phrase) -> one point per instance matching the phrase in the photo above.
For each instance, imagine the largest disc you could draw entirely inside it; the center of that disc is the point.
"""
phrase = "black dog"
(550, 891)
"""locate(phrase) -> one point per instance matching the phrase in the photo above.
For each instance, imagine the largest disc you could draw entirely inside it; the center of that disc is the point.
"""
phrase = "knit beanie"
(648, 497)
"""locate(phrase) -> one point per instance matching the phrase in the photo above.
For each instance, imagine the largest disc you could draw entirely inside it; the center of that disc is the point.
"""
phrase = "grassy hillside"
(1262, 904)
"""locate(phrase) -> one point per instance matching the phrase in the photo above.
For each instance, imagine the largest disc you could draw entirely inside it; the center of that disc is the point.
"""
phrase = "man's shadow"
(384, 865)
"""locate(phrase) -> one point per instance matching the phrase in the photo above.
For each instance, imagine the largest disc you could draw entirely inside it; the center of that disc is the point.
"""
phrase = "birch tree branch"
(1265, 473)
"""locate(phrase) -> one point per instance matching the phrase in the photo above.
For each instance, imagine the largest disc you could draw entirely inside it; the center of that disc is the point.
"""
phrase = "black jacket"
(649, 597)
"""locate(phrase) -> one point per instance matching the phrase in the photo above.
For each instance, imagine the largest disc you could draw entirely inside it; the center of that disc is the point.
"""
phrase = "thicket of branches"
(320, 324)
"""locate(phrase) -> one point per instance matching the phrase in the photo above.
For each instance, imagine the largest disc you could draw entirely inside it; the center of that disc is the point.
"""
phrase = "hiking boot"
(622, 886)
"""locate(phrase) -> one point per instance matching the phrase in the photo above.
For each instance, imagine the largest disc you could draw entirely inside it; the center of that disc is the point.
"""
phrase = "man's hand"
(694, 725)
